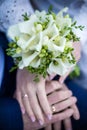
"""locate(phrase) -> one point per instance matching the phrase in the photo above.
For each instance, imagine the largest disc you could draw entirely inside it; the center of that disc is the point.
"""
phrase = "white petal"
(51, 31)
(24, 44)
(60, 69)
(36, 62)
(28, 57)
(60, 47)
(26, 26)
(21, 65)
(60, 13)
(13, 31)
(57, 69)
(36, 44)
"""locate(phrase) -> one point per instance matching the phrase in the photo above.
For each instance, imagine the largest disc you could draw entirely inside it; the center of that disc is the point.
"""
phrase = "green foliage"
(50, 9)
(13, 68)
(75, 73)
(25, 17)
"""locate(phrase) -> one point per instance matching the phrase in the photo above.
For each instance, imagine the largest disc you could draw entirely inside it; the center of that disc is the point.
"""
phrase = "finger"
(28, 109)
(76, 113)
(35, 106)
(45, 104)
(77, 50)
(41, 93)
(57, 125)
(58, 96)
(48, 127)
(65, 104)
(52, 86)
(18, 96)
(62, 78)
(61, 116)
(67, 124)
(65, 114)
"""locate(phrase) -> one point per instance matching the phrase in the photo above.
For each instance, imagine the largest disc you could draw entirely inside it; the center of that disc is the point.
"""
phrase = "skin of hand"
(36, 99)
(67, 121)
(63, 101)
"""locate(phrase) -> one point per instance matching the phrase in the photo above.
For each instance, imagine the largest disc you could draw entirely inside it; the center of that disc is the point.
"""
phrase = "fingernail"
(40, 122)
(49, 116)
(32, 118)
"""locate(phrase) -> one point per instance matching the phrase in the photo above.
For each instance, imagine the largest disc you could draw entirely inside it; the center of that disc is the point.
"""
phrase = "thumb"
(62, 78)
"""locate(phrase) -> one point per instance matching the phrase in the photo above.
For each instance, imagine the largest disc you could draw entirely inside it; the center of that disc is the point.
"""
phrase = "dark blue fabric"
(9, 79)
(3, 40)
(10, 115)
(8, 84)
(81, 95)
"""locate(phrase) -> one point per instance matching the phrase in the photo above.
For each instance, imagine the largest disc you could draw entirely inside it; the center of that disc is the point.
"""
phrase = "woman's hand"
(31, 96)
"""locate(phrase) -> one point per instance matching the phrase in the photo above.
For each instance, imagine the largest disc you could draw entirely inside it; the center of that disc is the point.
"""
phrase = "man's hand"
(67, 121)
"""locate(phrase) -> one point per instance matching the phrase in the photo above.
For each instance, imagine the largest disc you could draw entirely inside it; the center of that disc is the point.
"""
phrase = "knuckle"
(67, 114)
(70, 92)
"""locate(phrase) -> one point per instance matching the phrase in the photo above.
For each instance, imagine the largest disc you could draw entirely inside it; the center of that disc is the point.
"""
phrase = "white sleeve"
(11, 12)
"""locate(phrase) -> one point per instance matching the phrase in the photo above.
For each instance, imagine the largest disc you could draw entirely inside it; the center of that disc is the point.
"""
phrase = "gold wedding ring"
(53, 109)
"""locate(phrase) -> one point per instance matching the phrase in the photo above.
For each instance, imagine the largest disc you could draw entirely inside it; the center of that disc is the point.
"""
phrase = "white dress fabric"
(11, 12)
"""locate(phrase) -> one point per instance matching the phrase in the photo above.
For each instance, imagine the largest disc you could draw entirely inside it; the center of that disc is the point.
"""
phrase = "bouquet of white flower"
(42, 43)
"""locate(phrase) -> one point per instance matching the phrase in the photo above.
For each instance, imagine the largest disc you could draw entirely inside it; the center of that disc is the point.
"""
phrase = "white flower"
(57, 45)
(27, 58)
(43, 38)
(22, 28)
(60, 68)
(36, 62)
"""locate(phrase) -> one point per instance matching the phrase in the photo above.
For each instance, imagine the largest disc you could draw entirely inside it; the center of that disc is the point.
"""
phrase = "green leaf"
(50, 9)
(75, 73)
(36, 79)
(13, 68)
(25, 17)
